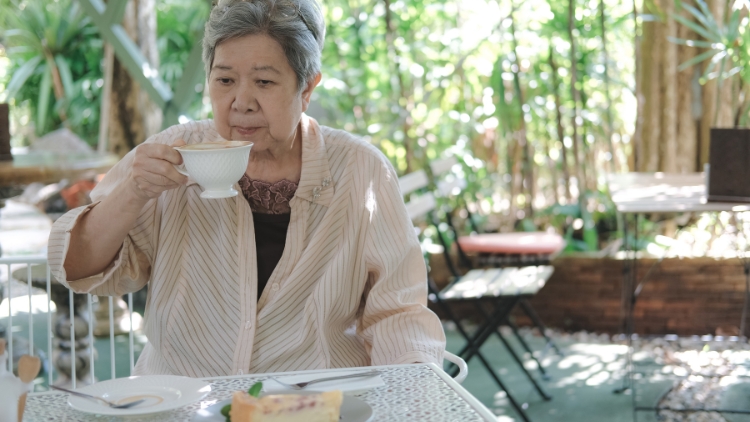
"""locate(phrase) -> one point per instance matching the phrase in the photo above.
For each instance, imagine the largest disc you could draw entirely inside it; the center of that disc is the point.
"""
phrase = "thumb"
(177, 156)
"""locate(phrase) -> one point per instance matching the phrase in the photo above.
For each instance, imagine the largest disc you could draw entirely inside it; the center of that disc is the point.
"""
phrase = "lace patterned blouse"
(271, 216)
(268, 198)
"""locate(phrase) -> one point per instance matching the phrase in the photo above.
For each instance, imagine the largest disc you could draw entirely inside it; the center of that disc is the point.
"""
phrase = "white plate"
(353, 409)
(162, 393)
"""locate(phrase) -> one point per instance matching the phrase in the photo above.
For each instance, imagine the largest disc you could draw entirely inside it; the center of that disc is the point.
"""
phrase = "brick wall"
(693, 296)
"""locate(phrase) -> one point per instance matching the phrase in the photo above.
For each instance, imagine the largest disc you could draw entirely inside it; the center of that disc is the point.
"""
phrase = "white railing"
(14, 263)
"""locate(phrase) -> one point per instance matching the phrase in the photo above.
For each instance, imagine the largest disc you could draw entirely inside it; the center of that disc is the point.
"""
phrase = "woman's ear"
(308, 89)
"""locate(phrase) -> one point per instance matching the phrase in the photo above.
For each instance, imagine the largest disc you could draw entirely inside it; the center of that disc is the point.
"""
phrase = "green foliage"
(179, 24)
(424, 78)
(439, 80)
(727, 43)
(57, 34)
(55, 54)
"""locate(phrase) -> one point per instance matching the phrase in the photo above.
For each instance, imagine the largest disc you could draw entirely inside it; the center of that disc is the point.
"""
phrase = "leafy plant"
(727, 45)
(179, 25)
(55, 53)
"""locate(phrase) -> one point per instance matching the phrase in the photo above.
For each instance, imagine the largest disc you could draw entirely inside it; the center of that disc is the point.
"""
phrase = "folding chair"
(501, 289)
(496, 250)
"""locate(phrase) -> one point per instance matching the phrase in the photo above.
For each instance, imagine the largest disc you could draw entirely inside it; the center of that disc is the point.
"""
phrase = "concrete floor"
(581, 382)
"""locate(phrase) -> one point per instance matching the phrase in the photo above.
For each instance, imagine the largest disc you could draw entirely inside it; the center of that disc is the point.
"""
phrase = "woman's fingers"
(153, 168)
(164, 152)
(164, 180)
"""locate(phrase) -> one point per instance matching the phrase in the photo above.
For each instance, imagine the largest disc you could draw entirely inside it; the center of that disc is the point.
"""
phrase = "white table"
(654, 193)
(418, 392)
(51, 167)
(664, 193)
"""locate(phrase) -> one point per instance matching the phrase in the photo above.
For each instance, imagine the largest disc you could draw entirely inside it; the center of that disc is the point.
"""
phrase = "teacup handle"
(181, 169)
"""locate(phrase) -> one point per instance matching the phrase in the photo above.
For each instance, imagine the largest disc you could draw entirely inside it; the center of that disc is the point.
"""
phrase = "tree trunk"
(611, 167)
(57, 87)
(559, 119)
(106, 102)
(687, 135)
(635, 161)
(527, 180)
(710, 91)
(726, 101)
(552, 169)
(576, 96)
(668, 153)
(133, 116)
(651, 81)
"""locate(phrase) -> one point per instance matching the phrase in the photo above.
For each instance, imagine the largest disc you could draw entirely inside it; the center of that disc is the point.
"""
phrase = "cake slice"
(323, 407)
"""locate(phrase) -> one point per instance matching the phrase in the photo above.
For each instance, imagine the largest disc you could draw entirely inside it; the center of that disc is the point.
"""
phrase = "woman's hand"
(153, 169)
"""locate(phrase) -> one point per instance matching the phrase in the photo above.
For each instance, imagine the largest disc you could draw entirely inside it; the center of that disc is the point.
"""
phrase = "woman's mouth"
(246, 131)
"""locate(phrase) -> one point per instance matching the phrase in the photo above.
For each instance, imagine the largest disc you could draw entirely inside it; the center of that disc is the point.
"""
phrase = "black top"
(270, 238)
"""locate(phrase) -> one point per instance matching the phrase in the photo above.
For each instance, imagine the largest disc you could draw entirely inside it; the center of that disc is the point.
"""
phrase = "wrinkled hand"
(153, 169)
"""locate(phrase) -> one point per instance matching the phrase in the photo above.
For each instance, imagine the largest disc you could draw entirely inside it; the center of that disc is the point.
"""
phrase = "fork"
(301, 385)
(108, 403)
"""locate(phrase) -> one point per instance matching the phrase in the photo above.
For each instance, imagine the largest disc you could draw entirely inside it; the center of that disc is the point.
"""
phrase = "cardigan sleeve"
(130, 270)
(396, 325)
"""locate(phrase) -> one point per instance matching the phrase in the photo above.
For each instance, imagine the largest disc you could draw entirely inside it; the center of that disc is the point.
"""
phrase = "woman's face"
(254, 94)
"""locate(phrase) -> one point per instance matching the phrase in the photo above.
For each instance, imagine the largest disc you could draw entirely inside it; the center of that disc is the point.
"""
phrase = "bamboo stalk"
(576, 96)
(559, 121)
(395, 60)
(635, 161)
(687, 145)
(612, 164)
(106, 100)
(525, 145)
(651, 83)
(668, 141)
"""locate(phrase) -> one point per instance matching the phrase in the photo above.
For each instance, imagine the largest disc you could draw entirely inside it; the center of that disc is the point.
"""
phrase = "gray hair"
(297, 25)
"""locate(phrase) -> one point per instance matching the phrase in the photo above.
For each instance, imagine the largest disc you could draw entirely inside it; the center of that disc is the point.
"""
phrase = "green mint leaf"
(255, 389)
(225, 411)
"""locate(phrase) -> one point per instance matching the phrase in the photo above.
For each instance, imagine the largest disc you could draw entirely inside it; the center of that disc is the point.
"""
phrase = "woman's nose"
(244, 100)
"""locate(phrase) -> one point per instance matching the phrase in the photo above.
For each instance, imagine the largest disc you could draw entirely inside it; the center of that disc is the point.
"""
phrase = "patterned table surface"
(419, 392)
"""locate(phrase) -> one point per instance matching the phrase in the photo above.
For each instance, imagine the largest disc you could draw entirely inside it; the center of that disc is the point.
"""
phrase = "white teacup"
(215, 166)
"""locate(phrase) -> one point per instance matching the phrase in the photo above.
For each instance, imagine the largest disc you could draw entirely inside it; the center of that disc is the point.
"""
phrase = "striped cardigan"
(350, 288)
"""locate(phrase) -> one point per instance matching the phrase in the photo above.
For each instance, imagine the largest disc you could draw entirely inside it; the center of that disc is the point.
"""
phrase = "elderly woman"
(316, 265)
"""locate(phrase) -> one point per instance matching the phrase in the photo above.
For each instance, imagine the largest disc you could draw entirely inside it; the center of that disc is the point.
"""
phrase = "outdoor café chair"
(493, 250)
(501, 289)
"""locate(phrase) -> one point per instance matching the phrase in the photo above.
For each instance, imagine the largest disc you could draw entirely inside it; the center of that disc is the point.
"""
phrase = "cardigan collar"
(316, 183)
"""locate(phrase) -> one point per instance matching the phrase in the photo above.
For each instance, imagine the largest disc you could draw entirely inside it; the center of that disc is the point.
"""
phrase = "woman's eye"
(224, 81)
(264, 82)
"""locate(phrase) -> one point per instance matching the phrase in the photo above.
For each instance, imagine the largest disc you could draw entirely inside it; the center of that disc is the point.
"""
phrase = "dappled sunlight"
(20, 304)
(371, 203)
(585, 355)
(592, 364)
(500, 399)
(599, 378)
